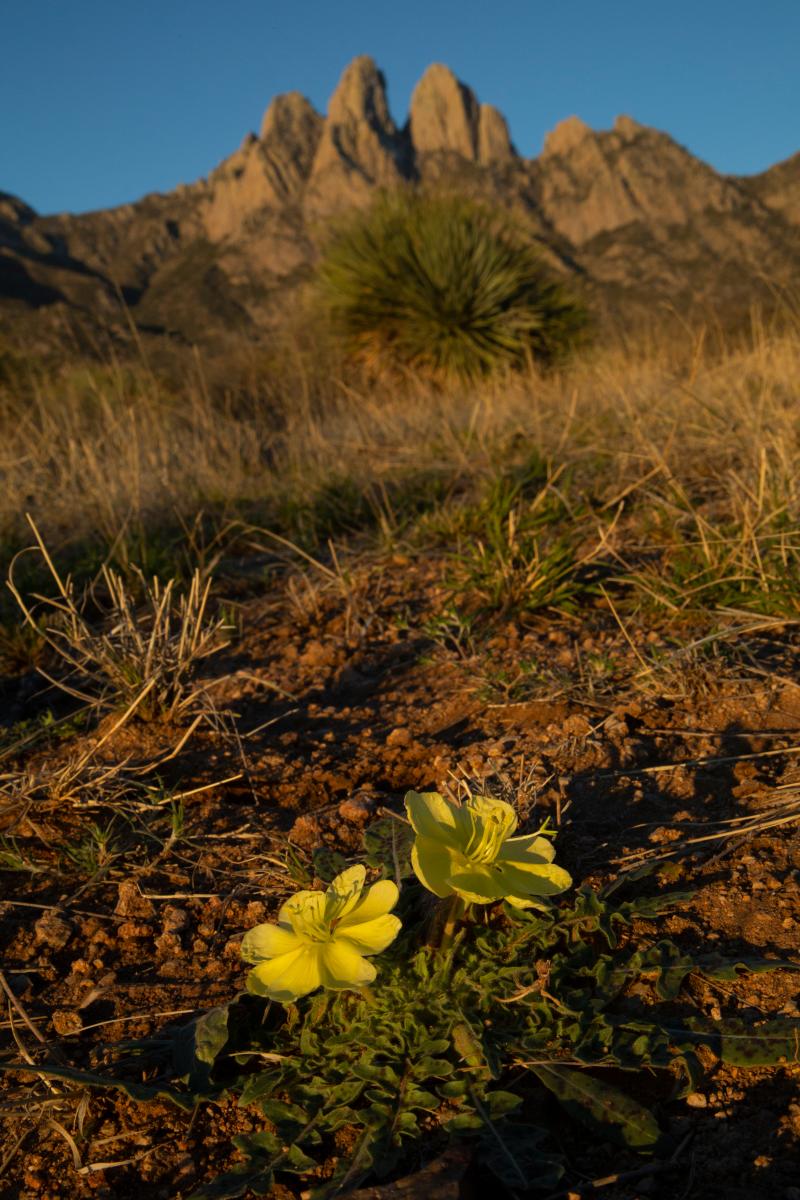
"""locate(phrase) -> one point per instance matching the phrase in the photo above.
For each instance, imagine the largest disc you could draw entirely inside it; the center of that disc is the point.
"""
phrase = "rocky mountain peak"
(360, 146)
(444, 115)
(627, 128)
(446, 118)
(290, 118)
(568, 134)
(494, 140)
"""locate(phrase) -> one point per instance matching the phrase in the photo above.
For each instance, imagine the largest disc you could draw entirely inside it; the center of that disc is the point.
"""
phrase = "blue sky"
(105, 100)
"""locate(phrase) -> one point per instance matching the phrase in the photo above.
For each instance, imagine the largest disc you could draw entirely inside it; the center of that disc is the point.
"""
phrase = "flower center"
(485, 840)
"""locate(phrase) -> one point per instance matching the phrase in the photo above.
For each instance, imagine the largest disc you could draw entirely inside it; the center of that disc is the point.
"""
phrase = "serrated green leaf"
(415, 1097)
(259, 1087)
(285, 1116)
(406, 1122)
(263, 1142)
(432, 1068)
(297, 1161)
(346, 1092)
(335, 1118)
(603, 1108)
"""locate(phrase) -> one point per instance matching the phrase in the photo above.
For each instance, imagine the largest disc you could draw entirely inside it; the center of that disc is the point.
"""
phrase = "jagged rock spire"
(447, 118)
(360, 146)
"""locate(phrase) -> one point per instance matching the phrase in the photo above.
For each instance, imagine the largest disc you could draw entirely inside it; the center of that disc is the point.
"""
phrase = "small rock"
(53, 929)
(357, 809)
(254, 913)
(133, 929)
(696, 1100)
(305, 832)
(168, 946)
(65, 1022)
(399, 736)
(131, 902)
(175, 919)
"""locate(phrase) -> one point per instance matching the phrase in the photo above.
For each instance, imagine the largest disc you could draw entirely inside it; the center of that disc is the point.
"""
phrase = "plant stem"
(453, 913)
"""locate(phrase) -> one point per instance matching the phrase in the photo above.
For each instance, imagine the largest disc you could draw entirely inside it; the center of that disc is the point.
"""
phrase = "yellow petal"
(268, 941)
(532, 848)
(433, 864)
(431, 815)
(344, 892)
(305, 912)
(370, 937)
(544, 879)
(341, 966)
(287, 977)
(478, 885)
(374, 902)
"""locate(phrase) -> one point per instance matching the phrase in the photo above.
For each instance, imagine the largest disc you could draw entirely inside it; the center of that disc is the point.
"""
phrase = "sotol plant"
(440, 283)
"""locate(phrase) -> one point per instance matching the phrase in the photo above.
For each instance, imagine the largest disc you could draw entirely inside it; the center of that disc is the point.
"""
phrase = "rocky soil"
(130, 895)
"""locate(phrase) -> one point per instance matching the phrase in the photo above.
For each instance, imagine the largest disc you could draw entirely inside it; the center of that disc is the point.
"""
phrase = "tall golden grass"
(692, 431)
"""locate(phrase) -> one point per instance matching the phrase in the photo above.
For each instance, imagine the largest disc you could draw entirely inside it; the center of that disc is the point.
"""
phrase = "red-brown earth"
(332, 702)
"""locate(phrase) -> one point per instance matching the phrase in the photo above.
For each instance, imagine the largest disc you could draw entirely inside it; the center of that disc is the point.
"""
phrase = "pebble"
(53, 930)
(697, 1100)
(65, 1022)
(131, 902)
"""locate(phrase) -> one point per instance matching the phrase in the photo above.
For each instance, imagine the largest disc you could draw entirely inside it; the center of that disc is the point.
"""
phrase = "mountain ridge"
(635, 219)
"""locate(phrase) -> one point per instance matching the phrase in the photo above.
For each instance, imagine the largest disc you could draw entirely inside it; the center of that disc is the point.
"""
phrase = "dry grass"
(680, 453)
(143, 657)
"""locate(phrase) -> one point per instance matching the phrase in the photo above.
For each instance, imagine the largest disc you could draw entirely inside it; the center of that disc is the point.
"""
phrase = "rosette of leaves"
(438, 283)
(455, 1044)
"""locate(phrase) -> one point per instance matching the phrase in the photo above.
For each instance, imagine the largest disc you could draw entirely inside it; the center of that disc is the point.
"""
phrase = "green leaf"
(387, 845)
(470, 1048)
(730, 971)
(259, 1087)
(432, 1068)
(289, 1118)
(137, 1091)
(328, 863)
(237, 1182)
(464, 1123)
(770, 1044)
(512, 1153)
(297, 1161)
(499, 1103)
(602, 1108)
(195, 1046)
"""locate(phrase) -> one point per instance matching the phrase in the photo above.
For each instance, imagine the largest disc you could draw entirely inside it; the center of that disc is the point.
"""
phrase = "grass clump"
(144, 657)
(442, 284)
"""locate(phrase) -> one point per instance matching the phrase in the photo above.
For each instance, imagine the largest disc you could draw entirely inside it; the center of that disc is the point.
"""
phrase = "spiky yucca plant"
(441, 283)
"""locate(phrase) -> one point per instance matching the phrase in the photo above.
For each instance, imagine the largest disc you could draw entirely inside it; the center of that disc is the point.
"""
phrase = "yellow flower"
(467, 850)
(321, 938)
